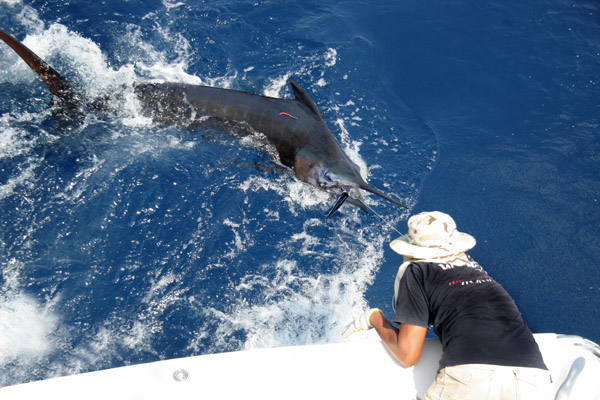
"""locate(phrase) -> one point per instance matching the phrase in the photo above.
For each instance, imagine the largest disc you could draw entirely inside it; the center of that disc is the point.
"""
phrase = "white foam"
(301, 308)
(10, 145)
(120, 331)
(295, 193)
(237, 245)
(87, 65)
(106, 345)
(276, 85)
(23, 178)
(83, 55)
(25, 329)
(26, 325)
(330, 57)
(170, 5)
(352, 148)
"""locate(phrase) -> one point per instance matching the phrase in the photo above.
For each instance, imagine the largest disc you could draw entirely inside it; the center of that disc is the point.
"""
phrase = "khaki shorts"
(490, 382)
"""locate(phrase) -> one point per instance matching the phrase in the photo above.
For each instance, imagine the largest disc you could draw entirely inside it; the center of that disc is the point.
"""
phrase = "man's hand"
(362, 323)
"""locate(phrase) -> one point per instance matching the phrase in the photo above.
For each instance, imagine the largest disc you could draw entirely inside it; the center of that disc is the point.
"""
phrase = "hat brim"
(402, 246)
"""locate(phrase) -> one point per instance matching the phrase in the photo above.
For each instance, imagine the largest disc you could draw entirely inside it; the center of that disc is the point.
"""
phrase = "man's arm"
(405, 344)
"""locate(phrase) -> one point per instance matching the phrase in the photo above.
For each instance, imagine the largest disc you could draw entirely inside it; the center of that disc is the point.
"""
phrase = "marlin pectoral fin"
(358, 203)
(338, 203)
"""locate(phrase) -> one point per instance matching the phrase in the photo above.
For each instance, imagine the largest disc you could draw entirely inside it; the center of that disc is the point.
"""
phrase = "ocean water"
(123, 241)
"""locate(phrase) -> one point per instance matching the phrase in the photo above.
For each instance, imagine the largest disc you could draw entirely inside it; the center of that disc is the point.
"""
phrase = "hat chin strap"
(399, 276)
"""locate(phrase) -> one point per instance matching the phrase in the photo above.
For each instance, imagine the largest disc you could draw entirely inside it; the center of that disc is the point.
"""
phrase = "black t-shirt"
(474, 317)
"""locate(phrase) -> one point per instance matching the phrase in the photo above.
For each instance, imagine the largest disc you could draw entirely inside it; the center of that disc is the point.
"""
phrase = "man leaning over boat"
(488, 350)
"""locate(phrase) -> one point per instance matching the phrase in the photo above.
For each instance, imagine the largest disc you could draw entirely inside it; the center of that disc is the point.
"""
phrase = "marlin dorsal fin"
(303, 97)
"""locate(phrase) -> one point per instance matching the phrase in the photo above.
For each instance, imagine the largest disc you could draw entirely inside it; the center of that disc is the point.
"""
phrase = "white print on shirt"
(470, 264)
(464, 282)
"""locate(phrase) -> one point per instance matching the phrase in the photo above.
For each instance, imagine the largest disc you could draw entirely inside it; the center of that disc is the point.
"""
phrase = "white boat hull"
(350, 370)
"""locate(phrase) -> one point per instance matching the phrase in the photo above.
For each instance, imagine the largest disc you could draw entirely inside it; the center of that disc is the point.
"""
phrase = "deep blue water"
(122, 241)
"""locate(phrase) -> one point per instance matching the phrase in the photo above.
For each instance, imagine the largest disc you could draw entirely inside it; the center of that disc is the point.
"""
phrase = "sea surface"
(124, 241)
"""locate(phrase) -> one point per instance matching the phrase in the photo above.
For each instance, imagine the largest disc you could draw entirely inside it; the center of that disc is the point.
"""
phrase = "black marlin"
(294, 126)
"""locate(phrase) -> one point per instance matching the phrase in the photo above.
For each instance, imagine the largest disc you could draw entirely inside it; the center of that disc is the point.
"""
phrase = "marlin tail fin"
(58, 86)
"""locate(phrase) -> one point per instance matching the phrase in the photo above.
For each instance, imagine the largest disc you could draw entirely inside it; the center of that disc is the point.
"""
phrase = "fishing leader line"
(383, 219)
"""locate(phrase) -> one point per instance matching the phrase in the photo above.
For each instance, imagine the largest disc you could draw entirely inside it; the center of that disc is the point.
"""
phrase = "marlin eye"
(327, 179)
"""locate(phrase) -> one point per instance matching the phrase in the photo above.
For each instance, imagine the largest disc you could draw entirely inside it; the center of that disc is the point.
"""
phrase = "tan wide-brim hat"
(432, 235)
